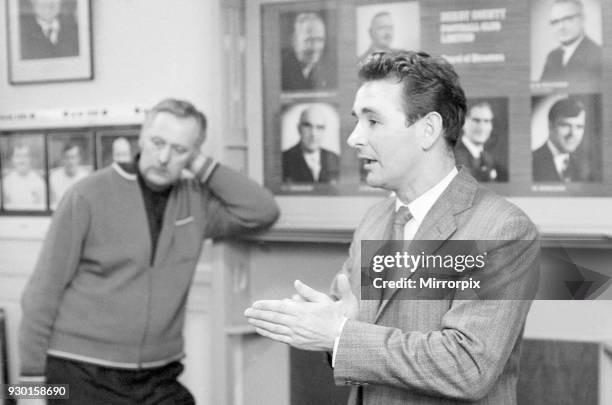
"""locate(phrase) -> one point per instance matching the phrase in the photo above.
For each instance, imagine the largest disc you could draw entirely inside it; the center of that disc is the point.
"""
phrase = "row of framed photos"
(533, 72)
(562, 125)
(38, 167)
(565, 40)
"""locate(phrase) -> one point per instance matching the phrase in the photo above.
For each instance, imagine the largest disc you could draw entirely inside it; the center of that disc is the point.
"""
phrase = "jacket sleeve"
(236, 204)
(463, 358)
(55, 268)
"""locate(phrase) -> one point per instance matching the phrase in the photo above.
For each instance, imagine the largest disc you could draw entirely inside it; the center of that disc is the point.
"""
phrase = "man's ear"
(432, 129)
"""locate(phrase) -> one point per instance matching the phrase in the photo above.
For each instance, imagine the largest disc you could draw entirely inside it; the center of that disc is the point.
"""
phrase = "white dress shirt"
(561, 159)
(51, 31)
(569, 50)
(313, 160)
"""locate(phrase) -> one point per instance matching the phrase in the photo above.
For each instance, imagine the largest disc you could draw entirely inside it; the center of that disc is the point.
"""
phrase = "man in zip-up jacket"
(105, 307)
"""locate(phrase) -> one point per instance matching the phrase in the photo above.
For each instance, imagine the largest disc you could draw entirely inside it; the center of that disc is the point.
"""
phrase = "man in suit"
(409, 112)
(578, 57)
(381, 33)
(556, 160)
(47, 33)
(471, 151)
(307, 161)
(306, 64)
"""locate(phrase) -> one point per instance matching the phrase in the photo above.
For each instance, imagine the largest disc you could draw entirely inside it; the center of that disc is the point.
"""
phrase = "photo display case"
(37, 167)
(537, 75)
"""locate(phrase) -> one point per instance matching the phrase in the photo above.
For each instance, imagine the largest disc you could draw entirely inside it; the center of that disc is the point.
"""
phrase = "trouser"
(91, 384)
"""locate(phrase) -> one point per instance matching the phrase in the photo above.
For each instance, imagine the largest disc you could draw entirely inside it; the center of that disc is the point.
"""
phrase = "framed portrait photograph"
(566, 41)
(116, 147)
(22, 162)
(308, 55)
(70, 158)
(387, 27)
(566, 144)
(49, 40)
(310, 144)
(483, 146)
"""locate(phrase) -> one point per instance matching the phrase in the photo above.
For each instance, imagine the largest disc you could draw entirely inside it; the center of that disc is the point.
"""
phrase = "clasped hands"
(309, 320)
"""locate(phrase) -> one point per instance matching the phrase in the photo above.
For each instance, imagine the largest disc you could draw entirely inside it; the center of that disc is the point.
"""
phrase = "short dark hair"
(566, 107)
(69, 145)
(429, 84)
(181, 109)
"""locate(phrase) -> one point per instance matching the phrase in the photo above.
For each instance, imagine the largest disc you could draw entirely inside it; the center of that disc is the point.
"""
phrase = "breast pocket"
(187, 239)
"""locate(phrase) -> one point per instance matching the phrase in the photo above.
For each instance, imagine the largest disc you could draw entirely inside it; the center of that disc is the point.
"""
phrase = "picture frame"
(116, 146)
(23, 169)
(70, 158)
(49, 41)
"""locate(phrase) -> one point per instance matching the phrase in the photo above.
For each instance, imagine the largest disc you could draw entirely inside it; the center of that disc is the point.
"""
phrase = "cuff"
(208, 167)
(337, 342)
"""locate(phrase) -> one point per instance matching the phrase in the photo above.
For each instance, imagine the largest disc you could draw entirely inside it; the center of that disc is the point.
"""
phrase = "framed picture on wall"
(117, 147)
(70, 158)
(49, 40)
(22, 163)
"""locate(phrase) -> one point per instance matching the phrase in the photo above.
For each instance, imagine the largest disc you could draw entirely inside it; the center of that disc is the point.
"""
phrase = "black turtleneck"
(154, 202)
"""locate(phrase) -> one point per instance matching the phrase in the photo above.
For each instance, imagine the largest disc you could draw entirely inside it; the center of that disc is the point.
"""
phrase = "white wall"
(143, 50)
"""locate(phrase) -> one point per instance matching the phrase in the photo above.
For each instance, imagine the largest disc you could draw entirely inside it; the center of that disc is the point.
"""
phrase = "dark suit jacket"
(483, 169)
(322, 76)
(544, 170)
(453, 350)
(35, 45)
(585, 63)
(295, 169)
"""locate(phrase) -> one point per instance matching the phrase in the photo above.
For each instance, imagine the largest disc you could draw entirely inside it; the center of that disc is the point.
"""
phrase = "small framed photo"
(310, 144)
(483, 146)
(71, 158)
(49, 40)
(566, 41)
(117, 147)
(22, 160)
(566, 138)
(308, 53)
(388, 27)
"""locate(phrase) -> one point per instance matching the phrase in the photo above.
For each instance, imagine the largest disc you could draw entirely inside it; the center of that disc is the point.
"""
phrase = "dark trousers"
(90, 384)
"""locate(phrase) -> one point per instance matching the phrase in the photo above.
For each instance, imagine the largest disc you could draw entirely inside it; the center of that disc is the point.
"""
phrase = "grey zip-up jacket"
(95, 295)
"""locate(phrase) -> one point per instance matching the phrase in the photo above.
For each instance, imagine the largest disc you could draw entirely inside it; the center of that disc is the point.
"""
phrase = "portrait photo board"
(499, 50)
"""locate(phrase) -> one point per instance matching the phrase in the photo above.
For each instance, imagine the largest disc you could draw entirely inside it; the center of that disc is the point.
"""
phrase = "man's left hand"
(197, 162)
(311, 323)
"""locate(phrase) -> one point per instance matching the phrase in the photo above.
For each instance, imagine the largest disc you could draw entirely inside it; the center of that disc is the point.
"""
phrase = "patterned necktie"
(400, 219)
(402, 216)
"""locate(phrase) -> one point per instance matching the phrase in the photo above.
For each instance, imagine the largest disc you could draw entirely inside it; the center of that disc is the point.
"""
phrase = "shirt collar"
(421, 206)
(475, 150)
(45, 26)
(555, 151)
(568, 50)
(560, 159)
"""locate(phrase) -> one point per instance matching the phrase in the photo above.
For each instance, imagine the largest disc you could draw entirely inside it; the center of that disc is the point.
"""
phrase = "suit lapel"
(439, 224)
(379, 229)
